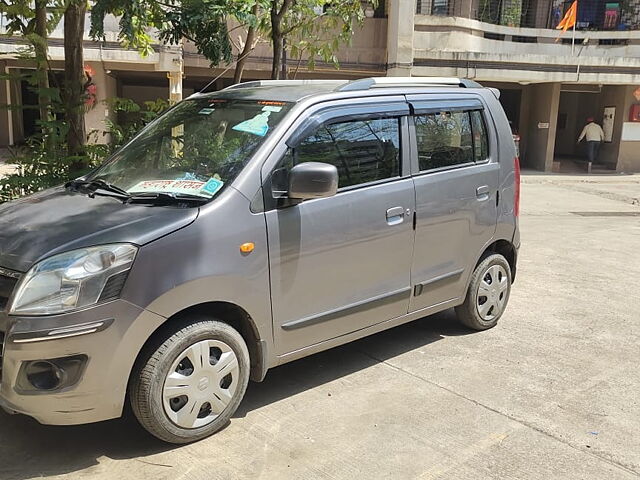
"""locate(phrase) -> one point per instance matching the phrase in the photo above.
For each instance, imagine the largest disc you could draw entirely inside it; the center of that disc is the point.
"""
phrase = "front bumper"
(111, 350)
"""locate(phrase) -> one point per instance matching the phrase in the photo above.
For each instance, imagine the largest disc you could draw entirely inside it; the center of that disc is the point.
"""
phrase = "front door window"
(363, 151)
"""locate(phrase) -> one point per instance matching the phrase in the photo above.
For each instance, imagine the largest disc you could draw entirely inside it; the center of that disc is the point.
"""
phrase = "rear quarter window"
(480, 137)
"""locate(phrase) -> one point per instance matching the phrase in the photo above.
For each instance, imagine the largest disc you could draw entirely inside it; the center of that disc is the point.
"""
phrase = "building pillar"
(175, 95)
(175, 86)
(6, 118)
(105, 89)
(171, 61)
(400, 38)
(523, 122)
(543, 121)
(16, 118)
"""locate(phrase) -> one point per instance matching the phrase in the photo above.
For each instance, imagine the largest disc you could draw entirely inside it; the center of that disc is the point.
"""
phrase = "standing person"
(595, 136)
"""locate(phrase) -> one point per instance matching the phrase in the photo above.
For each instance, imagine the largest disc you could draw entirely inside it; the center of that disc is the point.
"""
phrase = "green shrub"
(43, 161)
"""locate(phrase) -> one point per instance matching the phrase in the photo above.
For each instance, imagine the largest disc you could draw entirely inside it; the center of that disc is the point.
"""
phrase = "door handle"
(395, 215)
(482, 192)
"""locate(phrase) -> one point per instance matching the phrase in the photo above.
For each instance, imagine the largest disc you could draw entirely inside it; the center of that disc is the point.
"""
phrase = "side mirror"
(313, 180)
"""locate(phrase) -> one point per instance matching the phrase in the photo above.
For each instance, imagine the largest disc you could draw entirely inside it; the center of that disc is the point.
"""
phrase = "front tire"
(488, 294)
(187, 385)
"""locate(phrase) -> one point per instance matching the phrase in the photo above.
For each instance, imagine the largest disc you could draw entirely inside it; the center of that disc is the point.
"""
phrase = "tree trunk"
(74, 79)
(42, 70)
(248, 46)
(276, 65)
(283, 75)
(278, 37)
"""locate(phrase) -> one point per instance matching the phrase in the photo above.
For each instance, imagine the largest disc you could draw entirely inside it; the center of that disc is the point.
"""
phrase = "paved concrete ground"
(552, 392)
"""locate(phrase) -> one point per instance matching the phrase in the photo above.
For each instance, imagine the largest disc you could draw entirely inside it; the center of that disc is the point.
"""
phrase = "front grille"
(8, 281)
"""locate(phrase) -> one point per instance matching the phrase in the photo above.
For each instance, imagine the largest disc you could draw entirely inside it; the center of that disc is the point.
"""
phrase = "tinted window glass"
(444, 139)
(362, 151)
(480, 140)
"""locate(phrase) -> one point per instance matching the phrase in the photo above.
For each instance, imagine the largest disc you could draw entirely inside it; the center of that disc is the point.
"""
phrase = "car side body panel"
(202, 263)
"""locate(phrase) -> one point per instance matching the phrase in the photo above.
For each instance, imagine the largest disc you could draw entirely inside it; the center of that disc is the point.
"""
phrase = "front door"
(343, 263)
(456, 180)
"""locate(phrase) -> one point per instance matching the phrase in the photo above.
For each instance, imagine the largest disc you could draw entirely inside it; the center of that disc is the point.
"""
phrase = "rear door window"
(444, 139)
(451, 138)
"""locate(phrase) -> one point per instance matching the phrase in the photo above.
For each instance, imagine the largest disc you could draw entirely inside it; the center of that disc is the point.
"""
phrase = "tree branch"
(236, 28)
(226, 70)
(299, 24)
(286, 4)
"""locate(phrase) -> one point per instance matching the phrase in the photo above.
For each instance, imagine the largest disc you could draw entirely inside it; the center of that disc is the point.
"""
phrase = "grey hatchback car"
(247, 228)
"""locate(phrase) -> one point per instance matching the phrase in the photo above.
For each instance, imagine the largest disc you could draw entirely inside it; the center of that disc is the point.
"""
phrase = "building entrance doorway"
(510, 100)
(575, 107)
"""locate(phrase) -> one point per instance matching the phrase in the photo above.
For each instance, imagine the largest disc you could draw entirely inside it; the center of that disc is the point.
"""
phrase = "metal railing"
(595, 15)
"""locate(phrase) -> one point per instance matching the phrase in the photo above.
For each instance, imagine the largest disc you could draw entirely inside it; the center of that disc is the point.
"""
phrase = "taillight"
(516, 187)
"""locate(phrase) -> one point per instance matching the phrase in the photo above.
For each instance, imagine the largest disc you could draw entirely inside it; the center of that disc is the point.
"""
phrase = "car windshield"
(194, 149)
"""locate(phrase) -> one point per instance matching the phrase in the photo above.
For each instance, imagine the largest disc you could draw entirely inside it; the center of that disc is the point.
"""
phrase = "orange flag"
(569, 19)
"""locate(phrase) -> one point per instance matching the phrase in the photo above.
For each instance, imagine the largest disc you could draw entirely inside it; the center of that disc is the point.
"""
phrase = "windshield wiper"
(164, 198)
(98, 184)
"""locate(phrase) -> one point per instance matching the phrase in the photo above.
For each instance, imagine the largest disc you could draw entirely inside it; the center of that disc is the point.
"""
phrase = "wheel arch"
(227, 312)
(507, 250)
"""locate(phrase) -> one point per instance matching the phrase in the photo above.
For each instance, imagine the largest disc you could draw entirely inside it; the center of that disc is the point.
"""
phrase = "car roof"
(296, 90)
(281, 93)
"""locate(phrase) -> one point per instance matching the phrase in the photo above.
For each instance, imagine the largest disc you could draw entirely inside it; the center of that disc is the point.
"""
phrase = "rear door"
(343, 263)
(456, 178)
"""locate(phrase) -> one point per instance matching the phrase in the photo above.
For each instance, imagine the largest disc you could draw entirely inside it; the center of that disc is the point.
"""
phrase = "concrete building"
(548, 87)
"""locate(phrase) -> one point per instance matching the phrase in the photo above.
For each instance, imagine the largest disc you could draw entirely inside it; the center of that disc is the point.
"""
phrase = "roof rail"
(284, 83)
(378, 82)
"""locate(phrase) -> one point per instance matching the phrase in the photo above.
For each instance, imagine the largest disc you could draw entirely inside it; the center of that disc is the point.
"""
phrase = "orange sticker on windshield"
(271, 102)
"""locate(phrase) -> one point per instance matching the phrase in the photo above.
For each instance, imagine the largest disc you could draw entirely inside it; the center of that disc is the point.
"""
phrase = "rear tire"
(187, 385)
(488, 294)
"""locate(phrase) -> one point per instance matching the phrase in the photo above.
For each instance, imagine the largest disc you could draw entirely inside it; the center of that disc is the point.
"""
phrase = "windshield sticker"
(191, 187)
(271, 108)
(188, 187)
(211, 187)
(257, 125)
(207, 111)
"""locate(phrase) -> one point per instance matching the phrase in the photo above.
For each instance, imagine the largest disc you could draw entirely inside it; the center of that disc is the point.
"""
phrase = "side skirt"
(379, 327)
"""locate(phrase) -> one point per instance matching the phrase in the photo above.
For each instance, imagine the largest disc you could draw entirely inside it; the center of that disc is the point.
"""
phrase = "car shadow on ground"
(315, 370)
(28, 449)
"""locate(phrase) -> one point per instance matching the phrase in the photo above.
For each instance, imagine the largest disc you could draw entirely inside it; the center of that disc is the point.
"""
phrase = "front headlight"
(73, 280)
